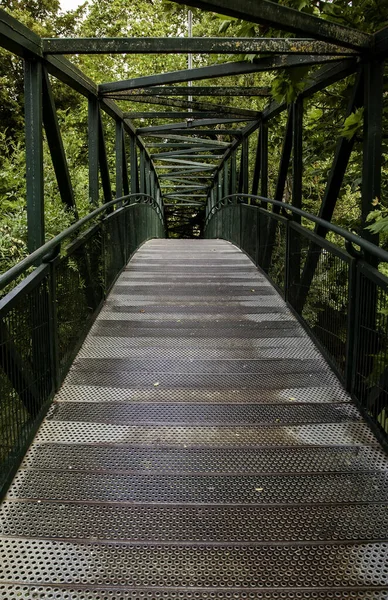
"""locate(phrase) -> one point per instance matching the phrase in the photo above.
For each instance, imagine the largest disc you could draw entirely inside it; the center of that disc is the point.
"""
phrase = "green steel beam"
(165, 155)
(281, 17)
(223, 111)
(17, 38)
(197, 90)
(133, 164)
(372, 141)
(192, 123)
(55, 143)
(180, 195)
(199, 132)
(173, 115)
(34, 153)
(213, 71)
(183, 162)
(181, 45)
(199, 167)
(93, 149)
(188, 124)
(119, 159)
(297, 155)
(68, 73)
(188, 177)
(256, 170)
(193, 141)
(188, 148)
(192, 187)
(180, 173)
(380, 43)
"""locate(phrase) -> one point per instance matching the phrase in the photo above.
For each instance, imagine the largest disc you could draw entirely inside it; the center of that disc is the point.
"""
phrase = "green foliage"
(288, 84)
(353, 124)
(378, 220)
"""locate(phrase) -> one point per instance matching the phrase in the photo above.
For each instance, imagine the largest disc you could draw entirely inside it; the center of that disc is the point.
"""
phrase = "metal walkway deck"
(200, 448)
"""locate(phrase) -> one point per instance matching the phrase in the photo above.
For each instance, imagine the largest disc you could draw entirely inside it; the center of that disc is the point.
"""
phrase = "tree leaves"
(353, 124)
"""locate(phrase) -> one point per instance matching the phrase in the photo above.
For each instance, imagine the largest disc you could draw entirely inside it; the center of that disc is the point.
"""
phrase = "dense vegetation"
(324, 117)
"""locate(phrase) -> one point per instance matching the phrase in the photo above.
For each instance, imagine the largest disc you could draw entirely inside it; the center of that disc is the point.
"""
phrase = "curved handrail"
(352, 238)
(50, 246)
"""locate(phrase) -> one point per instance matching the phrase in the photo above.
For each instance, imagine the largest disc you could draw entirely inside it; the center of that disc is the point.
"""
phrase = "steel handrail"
(50, 246)
(352, 238)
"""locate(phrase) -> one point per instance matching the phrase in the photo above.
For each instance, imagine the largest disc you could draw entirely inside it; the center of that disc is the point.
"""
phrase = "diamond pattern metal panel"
(199, 449)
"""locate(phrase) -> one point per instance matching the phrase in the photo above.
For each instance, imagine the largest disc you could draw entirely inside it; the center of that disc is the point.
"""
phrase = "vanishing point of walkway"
(200, 448)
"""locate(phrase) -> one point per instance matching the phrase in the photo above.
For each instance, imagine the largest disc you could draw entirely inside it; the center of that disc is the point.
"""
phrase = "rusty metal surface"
(200, 449)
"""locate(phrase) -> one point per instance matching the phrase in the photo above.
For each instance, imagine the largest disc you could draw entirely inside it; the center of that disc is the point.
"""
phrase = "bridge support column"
(34, 153)
(93, 130)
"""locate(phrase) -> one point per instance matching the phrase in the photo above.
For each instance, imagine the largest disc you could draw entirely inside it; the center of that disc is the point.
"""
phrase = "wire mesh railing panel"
(26, 367)
(114, 246)
(339, 295)
(371, 362)
(79, 290)
(271, 251)
(322, 299)
(249, 230)
(44, 319)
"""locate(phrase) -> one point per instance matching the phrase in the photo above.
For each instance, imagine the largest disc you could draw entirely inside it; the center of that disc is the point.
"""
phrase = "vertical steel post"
(226, 178)
(147, 175)
(297, 163)
(133, 165)
(263, 188)
(93, 130)
(142, 171)
(119, 147)
(372, 140)
(233, 173)
(264, 161)
(219, 185)
(125, 166)
(34, 153)
(245, 166)
(256, 173)
(293, 242)
(352, 327)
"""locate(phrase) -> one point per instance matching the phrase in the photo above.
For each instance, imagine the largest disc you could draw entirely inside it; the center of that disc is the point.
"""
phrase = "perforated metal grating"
(205, 436)
(312, 566)
(218, 460)
(26, 592)
(172, 524)
(86, 393)
(183, 414)
(203, 489)
(200, 449)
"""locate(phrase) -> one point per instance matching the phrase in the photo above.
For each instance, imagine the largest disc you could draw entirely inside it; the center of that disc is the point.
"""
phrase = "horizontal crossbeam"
(179, 115)
(213, 71)
(183, 138)
(223, 111)
(165, 155)
(183, 162)
(179, 45)
(200, 90)
(187, 148)
(187, 125)
(201, 132)
(172, 174)
(281, 17)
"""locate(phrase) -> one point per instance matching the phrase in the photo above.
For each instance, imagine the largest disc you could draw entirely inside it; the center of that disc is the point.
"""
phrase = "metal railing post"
(352, 329)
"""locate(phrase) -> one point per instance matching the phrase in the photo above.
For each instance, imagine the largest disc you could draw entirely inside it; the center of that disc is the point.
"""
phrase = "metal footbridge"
(203, 418)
